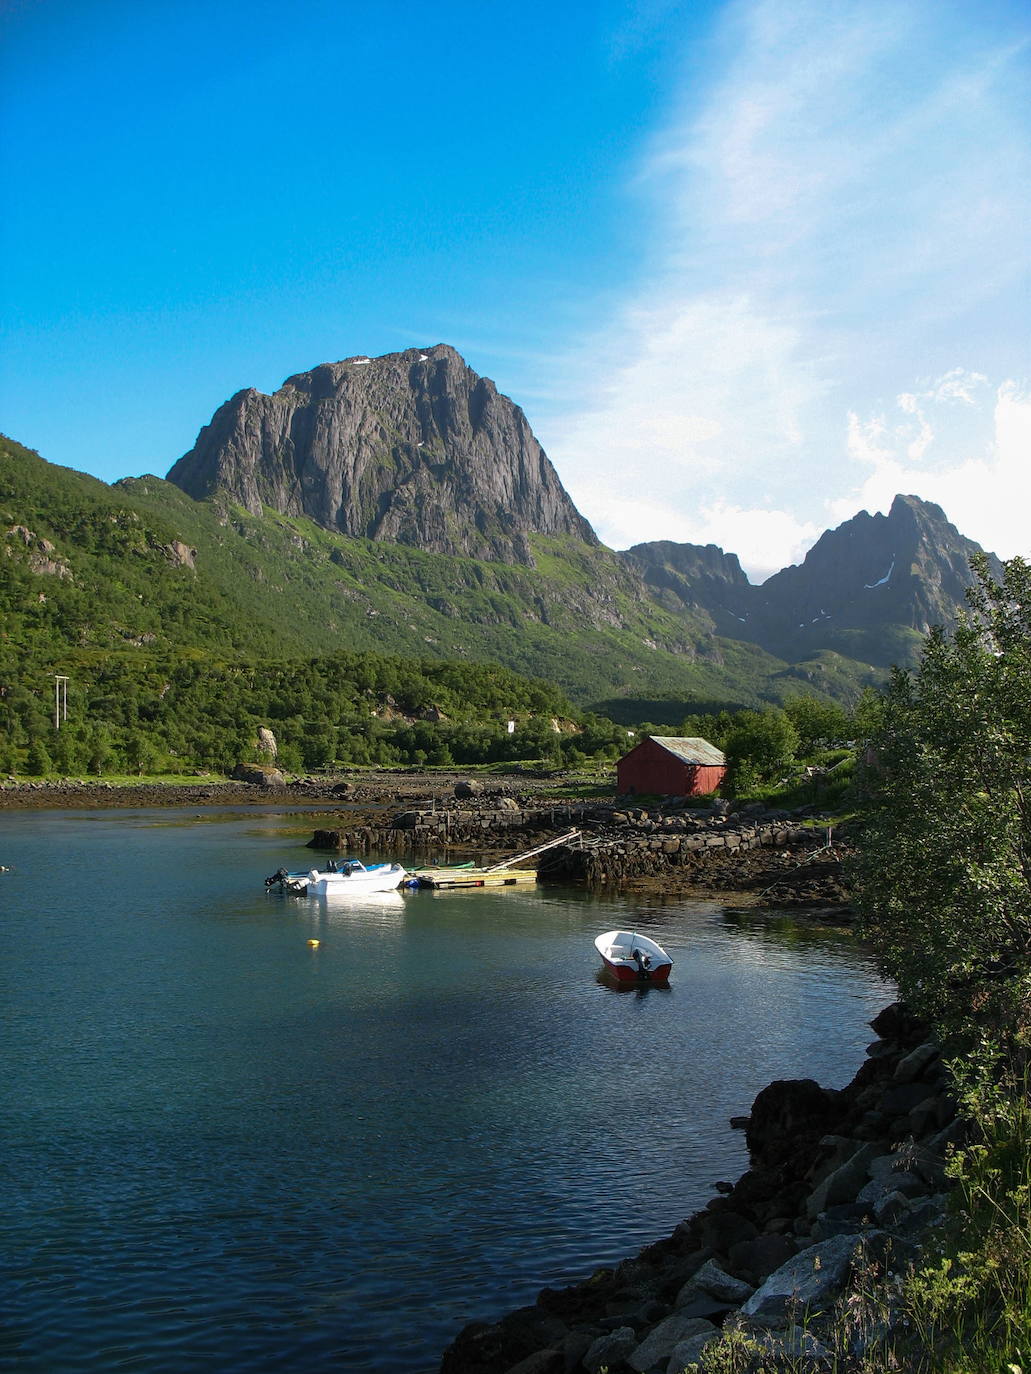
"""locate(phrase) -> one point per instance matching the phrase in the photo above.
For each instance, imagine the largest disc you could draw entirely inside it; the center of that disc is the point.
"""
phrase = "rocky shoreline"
(93, 794)
(765, 860)
(842, 1188)
(253, 785)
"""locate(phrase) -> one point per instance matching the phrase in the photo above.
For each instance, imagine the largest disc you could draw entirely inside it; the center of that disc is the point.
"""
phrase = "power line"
(60, 700)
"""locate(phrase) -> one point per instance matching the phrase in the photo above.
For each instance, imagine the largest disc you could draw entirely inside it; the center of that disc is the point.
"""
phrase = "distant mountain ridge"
(869, 589)
(415, 448)
(696, 576)
(411, 447)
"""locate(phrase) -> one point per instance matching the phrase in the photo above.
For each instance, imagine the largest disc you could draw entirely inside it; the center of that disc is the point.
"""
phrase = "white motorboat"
(633, 958)
(340, 878)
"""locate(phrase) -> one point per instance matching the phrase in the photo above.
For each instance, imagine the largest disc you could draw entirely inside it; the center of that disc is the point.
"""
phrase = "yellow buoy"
(313, 944)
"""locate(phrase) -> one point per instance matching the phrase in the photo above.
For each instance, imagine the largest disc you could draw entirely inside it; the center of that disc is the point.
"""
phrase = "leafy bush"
(818, 723)
(758, 747)
(944, 879)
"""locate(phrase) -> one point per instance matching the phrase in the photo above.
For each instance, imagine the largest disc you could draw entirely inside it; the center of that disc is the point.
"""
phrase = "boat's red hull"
(624, 973)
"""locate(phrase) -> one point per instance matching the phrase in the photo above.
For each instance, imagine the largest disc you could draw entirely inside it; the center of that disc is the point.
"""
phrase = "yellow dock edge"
(474, 877)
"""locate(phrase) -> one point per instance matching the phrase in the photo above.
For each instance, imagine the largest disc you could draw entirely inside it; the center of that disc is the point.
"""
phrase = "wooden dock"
(439, 878)
(497, 875)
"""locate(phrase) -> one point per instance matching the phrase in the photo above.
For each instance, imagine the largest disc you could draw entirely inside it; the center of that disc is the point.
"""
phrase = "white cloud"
(985, 492)
(676, 375)
(759, 537)
(919, 442)
(769, 539)
(836, 212)
(866, 440)
(959, 385)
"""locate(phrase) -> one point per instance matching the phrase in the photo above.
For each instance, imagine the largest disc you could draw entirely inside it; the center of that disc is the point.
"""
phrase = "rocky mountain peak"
(868, 589)
(909, 569)
(413, 447)
(882, 554)
(690, 576)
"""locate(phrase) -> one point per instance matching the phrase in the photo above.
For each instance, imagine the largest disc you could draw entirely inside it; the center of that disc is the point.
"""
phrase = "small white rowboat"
(633, 958)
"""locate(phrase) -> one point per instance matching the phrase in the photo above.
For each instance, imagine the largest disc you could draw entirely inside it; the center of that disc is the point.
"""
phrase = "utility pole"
(60, 700)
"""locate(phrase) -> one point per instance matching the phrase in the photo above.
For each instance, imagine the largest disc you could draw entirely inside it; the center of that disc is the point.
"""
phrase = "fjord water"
(228, 1150)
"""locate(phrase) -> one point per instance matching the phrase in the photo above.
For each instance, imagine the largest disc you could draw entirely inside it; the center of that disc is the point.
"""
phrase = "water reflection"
(612, 984)
(775, 937)
(370, 905)
(237, 1152)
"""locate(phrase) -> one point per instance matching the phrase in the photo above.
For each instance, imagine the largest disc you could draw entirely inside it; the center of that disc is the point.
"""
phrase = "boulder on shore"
(258, 774)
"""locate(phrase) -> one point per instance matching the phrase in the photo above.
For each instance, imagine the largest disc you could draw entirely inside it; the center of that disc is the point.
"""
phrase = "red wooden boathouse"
(666, 766)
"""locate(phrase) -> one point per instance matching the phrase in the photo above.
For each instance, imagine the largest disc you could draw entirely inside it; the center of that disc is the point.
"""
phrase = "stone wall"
(611, 859)
(615, 844)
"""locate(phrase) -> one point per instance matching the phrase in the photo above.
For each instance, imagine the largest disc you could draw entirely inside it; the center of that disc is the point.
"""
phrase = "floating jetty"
(472, 877)
(497, 875)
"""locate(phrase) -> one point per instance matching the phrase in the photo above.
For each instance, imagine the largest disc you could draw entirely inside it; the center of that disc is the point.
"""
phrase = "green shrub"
(944, 875)
(38, 762)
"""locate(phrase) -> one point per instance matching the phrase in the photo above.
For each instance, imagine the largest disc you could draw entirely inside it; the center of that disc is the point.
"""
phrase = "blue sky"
(748, 267)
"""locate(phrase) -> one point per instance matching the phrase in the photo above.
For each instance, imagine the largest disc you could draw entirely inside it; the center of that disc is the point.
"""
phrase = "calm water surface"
(224, 1150)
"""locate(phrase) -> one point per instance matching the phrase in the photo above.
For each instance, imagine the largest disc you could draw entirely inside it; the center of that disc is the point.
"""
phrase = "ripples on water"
(227, 1150)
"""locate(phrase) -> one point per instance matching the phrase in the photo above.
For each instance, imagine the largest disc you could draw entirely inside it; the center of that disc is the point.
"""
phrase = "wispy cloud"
(984, 487)
(837, 212)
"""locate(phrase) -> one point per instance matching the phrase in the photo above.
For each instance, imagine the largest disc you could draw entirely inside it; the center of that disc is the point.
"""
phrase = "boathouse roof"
(698, 751)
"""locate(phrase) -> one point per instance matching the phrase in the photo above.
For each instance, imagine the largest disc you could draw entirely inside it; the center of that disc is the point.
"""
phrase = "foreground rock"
(261, 775)
(841, 1183)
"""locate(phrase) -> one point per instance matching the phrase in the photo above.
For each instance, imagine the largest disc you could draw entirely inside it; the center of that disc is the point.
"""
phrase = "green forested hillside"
(578, 618)
(176, 714)
(163, 610)
(275, 586)
(87, 570)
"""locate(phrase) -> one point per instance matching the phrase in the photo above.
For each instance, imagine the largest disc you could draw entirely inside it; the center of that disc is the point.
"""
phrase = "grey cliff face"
(857, 588)
(411, 447)
(683, 576)
(910, 567)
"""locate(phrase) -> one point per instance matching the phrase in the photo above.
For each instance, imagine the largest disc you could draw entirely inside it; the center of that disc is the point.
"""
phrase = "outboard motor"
(276, 877)
(642, 961)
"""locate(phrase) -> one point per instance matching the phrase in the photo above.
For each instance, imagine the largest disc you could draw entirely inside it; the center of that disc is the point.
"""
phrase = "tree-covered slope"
(86, 569)
(577, 618)
(143, 570)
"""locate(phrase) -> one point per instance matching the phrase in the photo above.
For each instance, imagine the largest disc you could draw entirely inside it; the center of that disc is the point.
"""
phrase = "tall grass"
(971, 1298)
